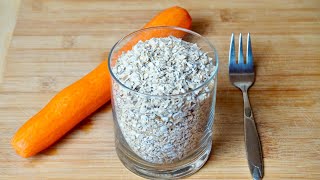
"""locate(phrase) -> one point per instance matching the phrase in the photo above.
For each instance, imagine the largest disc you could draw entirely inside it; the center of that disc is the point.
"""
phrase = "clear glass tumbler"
(163, 136)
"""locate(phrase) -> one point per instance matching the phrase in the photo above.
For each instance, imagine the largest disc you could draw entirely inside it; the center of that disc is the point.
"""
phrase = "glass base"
(184, 168)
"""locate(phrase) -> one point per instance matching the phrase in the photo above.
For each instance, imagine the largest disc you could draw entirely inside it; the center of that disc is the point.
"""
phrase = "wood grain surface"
(57, 42)
(8, 15)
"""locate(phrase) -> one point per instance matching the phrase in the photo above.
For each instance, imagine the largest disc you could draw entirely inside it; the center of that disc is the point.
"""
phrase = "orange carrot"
(82, 98)
(63, 112)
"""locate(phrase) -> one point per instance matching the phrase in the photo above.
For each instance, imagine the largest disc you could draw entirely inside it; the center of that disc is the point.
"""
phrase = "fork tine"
(249, 53)
(240, 52)
(232, 56)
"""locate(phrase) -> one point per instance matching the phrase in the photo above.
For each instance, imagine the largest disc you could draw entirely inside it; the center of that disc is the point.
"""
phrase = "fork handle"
(252, 140)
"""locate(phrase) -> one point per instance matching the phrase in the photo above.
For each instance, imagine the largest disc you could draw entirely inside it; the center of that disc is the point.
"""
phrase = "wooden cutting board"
(55, 43)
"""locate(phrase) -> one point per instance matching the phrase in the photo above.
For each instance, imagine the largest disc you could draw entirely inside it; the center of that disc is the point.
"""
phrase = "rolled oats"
(162, 117)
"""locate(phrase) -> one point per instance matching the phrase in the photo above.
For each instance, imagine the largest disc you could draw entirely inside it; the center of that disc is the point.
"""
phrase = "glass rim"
(165, 27)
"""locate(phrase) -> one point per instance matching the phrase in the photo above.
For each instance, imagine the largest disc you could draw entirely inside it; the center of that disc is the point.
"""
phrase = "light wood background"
(55, 43)
(8, 15)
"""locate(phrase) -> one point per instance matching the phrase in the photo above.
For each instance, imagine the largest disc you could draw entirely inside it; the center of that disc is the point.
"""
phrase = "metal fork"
(242, 76)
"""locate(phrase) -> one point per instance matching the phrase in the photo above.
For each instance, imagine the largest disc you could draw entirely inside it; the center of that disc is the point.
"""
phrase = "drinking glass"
(163, 136)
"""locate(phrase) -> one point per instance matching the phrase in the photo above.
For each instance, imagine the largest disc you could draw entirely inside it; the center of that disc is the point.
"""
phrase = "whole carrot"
(82, 98)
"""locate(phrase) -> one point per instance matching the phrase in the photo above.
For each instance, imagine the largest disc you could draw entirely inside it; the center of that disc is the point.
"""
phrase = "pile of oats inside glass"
(165, 114)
